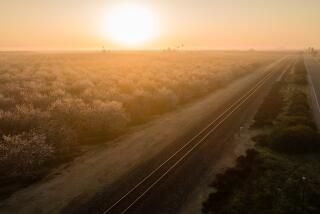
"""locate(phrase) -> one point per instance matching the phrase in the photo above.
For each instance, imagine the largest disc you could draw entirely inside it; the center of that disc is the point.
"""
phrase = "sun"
(130, 24)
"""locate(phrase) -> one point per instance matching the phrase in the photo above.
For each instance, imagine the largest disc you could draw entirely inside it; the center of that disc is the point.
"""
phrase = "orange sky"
(204, 24)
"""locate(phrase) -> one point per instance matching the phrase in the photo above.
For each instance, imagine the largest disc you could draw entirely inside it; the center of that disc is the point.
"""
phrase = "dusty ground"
(101, 166)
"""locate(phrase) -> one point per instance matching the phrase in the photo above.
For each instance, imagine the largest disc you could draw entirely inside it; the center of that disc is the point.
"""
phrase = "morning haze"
(159, 106)
(204, 24)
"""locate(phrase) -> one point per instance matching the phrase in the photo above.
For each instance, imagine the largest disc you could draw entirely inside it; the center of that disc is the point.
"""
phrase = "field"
(50, 103)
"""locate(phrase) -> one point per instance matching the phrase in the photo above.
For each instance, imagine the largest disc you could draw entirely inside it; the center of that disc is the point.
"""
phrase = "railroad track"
(128, 200)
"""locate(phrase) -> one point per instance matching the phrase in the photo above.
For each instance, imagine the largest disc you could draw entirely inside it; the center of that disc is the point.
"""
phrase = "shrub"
(287, 121)
(295, 139)
(270, 183)
(103, 118)
(270, 108)
(298, 104)
(63, 139)
(22, 118)
(227, 183)
(300, 76)
(24, 156)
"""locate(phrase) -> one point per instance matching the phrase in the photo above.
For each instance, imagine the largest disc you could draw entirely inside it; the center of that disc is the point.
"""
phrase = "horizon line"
(154, 49)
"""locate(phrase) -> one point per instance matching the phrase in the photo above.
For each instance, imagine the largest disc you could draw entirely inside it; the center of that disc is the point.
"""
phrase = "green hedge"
(295, 139)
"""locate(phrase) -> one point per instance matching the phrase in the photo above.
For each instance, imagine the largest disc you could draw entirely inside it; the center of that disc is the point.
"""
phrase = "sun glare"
(130, 24)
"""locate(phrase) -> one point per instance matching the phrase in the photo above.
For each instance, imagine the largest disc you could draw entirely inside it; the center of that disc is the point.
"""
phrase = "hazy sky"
(218, 24)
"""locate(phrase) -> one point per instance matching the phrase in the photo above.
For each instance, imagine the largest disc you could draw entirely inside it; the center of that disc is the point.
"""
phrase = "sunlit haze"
(147, 106)
(158, 24)
(129, 24)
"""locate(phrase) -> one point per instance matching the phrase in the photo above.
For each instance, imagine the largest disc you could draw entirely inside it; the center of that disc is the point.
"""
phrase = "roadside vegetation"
(281, 174)
(51, 104)
(271, 107)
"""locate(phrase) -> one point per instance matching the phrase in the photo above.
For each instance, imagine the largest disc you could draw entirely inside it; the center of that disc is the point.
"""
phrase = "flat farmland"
(52, 103)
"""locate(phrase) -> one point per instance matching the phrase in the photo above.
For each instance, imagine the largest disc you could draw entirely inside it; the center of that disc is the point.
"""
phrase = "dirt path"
(102, 166)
